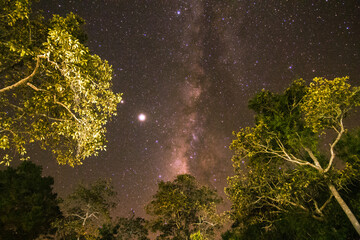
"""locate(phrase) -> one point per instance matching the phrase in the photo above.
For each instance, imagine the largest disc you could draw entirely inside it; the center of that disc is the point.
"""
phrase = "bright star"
(142, 117)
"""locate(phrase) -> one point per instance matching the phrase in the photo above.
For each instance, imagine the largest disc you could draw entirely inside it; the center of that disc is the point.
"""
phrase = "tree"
(125, 229)
(182, 207)
(27, 204)
(299, 225)
(287, 167)
(85, 210)
(53, 90)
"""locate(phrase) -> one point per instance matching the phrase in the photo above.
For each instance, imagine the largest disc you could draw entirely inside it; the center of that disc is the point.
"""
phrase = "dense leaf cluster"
(183, 207)
(27, 204)
(53, 90)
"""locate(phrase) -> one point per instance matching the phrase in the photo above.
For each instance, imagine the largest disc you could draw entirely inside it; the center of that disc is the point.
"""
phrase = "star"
(142, 117)
(197, 73)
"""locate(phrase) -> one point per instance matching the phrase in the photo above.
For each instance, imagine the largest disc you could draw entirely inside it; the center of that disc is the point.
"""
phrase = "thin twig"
(63, 105)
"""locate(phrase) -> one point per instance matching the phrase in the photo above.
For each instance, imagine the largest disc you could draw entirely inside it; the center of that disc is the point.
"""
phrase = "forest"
(296, 168)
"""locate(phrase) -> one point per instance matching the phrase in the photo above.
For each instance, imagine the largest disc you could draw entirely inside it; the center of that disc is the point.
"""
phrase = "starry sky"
(187, 69)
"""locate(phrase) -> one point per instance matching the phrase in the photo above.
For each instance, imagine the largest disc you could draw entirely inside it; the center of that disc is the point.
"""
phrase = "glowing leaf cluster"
(327, 101)
(54, 91)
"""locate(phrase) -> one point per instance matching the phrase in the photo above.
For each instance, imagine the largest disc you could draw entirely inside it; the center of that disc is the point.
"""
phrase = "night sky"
(190, 67)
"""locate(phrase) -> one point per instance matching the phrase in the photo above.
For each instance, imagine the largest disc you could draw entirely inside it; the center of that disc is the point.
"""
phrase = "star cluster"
(187, 69)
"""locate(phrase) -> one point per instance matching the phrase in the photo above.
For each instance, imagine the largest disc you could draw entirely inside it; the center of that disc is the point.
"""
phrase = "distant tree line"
(30, 210)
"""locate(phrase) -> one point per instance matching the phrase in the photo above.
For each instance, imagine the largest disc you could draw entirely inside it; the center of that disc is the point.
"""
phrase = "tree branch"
(284, 155)
(312, 156)
(326, 203)
(332, 146)
(317, 209)
(24, 80)
(34, 87)
(286, 201)
(28, 78)
(51, 118)
(77, 215)
(63, 105)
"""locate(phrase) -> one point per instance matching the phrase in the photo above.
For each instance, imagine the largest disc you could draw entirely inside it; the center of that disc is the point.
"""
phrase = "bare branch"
(63, 105)
(47, 57)
(311, 154)
(285, 155)
(297, 205)
(326, 203)
(287, 201)
(93, 215)
(34, 87)
(28, 78)
(332, 146)
(317, 217)
(24, 80)
(15, 106)
(8, 130)
(51, 118)
(77, 215)
(317, 209)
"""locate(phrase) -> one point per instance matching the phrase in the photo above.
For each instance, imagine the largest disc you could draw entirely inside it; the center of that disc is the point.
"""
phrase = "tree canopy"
(85, 210)
(53, 90)
(27, 204)
(280, 163)
(124, 229)
(183, 207)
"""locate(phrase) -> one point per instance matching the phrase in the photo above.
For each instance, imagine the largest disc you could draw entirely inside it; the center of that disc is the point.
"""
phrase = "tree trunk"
(345, 207)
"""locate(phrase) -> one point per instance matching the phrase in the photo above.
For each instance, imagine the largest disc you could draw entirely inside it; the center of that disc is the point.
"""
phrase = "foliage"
(295, 225)
(124, 229)
(53, 90)
(348, 150)
(182, 207)
(197, 236)
(85, 210)
(328, 101)
(27, 203)
(286, 170)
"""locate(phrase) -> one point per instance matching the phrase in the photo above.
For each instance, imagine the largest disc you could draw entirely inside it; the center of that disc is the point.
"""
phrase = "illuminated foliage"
(278, 163)
(327, 102)
(182, 207)
(53, 91)
(85, 210)
(197, 236)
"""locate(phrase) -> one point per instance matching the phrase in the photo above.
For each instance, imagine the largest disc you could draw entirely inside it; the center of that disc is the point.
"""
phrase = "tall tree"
(125, 229)
(27, 204)
(53, 90)
(85, 210)
(287, 167)
(183, 207)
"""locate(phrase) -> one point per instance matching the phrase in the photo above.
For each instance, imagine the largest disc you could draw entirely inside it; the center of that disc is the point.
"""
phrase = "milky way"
(190, 67)
(188, 122)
